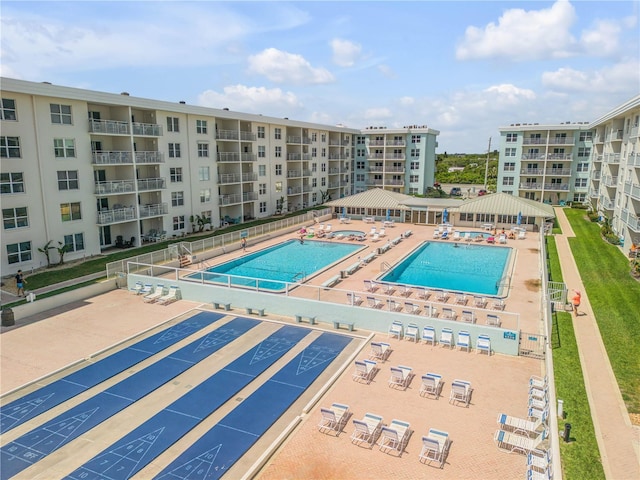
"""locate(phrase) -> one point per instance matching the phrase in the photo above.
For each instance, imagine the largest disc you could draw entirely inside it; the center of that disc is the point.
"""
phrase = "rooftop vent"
(126, 94)
(182, 102)
(48, 83)
(226, 109)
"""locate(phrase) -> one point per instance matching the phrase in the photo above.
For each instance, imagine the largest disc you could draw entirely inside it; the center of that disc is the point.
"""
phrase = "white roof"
(505, 204)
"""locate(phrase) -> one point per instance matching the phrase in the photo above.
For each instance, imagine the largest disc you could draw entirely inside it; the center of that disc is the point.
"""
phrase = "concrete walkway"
(618, 440)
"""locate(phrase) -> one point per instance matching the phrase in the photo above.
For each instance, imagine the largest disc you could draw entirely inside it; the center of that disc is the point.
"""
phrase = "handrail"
(385, 266)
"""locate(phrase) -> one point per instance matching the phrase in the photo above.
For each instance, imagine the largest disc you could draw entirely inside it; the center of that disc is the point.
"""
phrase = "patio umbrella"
(388, 215)
(445, 216)
(519, 221)
(344, 212)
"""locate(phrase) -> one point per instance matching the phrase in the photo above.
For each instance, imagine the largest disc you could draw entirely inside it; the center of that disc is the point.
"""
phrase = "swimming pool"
(453, 266)
(346, 233)
(270, 269)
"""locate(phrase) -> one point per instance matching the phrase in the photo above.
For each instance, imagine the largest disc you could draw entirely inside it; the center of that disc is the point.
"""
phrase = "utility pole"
(486, 168)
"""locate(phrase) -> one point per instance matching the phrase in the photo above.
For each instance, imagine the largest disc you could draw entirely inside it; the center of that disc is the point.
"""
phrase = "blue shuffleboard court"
(218, 449)
(47, 397)
(135, 450)
(42, 441)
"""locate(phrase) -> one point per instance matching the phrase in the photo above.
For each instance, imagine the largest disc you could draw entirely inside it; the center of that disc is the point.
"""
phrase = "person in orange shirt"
(576, 301)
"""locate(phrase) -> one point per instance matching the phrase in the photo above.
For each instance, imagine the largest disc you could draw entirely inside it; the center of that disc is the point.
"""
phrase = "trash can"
(566, 435)
(7, 318)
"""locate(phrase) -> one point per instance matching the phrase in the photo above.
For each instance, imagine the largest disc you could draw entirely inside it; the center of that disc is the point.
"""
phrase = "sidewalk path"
(618, 440)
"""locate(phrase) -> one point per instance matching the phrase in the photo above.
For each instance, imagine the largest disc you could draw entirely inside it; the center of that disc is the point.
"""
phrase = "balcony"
(334, 185)
(531, 171)
(595, 176)
(334, 143)
(532, 156)
(227, 135)
(557, 186)
(294, 173)
(334, 171)
(146, 184)
(597, 158)
(230, 199)
(615, 136)
(248, 157)
(562, 141)
(149, 157)
(534, 141)
(376, 143)
(530, 186)
(109, 127)
(558, 171)
(335, 156)
(114, 187)
(631, 220)
(247, 136)
(396, 143)
(610, 181)
(633, 160)
(632, 189)
(613, 158)
(294, 190)
(605, 202)
(148, 129)
(117, 215)
(111, 158)
(298, 140)
(559, 156)
(593, 193)
(228, 157)
(307, 173)
(153, 210)
(227, 178)
(249, 196)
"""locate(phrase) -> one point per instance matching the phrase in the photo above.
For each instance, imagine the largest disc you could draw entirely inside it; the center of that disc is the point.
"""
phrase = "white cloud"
(523, 35)
(602, 39)
(407, 100)
(509, 94)
(386, 70)
(250, 99)
(377, 113)
(620, 77)
(284, 67)
(345, 53)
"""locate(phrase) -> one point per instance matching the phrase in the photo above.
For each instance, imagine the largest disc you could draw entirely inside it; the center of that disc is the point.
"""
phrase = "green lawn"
(580, 457)
(615, 298)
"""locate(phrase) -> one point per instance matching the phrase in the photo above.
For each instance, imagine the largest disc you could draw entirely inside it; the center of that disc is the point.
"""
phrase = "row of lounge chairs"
(158, 294)
(392, 438)
(446, 338)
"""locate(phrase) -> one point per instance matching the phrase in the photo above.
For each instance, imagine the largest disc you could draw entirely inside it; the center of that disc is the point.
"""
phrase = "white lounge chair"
(502, 238)
(498, 304)
(522, 234)
(395, 436)
(431, 385)
(333, 418)
(446, 337)
(367, 429)
(535, 474)
(448, 314)
(435, 447)
(467, 237)
(412, 332)
(380, 351)
(396, 329)
(353, 299)
(411, 308)
(372, 231)
(375, 237)
(460, 392)
(171, 296)
(456, 236)
(483, 344)
(479, 302)
(537, 404)
(374, 302)
(468, 316)
(539, 393)
(382, 233)
(146, 289)
(155, 295)
(464, 341)
(404, 290)
(327, 229)
(400, 376)
(513, 443)
(423, 293)
(534, 412)
(539, 460)
(493, 320)
(365, 370)
(461, 299)
(429, 335)
(437, 233)
(538, 382)
(387, 288)
(370, 286)
(442, 296)
(137, 288)
(393, 305)
(522, 426)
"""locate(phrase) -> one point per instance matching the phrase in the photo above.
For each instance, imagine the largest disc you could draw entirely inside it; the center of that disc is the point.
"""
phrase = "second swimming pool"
(269, 269)
(453, 266)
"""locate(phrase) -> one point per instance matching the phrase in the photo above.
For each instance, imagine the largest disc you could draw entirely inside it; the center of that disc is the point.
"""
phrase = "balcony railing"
(294, 173)
(226, 178)
(109, 127)
(116, 215)
(530, 186)
(593, 193)
(149, 129)
(632, 189)
(559, 156)
(153, 210)
(605, 202)
(151, 184)
(597, 158)
(531, 171)
(227, 135)
(632, 221)
(249, 196)
(596, 175)
(556, 186)
(610, 181)
(612, 158)
(307, 173)
(558, 171)
(294, 190)
(247, 136)
(533, 141)
(633, 160)
(396, 143)
(228, 157)
(532, 156)
(111, 158)
(376, 143)
(149, 157)
(230, 199)
(334, 185)
(334, 171)
(562, 141)
(616, 135)
(114, 187)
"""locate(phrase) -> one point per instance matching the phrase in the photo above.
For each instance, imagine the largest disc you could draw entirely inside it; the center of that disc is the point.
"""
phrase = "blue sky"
(463, 68)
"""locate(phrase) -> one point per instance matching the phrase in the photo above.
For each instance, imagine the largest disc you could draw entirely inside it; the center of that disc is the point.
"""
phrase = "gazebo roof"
(505, 204)
(374, 198)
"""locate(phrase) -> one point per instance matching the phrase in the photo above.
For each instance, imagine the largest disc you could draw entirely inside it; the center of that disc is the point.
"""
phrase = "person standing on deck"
(575, 301)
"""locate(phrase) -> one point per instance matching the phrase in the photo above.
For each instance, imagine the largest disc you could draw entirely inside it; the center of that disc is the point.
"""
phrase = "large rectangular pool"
(468, 268)
(270, 269)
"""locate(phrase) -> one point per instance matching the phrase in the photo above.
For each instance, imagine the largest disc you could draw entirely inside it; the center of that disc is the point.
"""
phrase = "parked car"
(455, 192)
(482, 192)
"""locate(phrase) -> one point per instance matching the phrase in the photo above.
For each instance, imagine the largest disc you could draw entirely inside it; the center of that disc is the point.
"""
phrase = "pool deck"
(56, 339)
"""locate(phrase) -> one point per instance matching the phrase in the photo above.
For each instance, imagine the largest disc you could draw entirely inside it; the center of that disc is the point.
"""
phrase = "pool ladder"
(385, 266)
(301, 276)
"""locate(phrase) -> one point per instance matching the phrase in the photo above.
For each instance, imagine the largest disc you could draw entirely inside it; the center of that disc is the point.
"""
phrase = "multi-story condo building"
(615, 174)
(93, 170)
(546, 163)
(397, 159)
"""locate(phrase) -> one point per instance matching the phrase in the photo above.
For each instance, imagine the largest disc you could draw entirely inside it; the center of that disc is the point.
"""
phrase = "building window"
(64, 147)
(414, 178)
(74, 242)
(19, 252)
(203, 174)
(509, 152)
(586, 137)
(278, 152)
(415, 152)
(507, 180)
(582, 167)
(177, 199)
(314, 152)
(10, 147)
(260, 132)
(323, 138)
(68, 180)
(581, 182)
(70, 211)
(207, 214)
(173, 124)
(314, 167)
(175, 174)
(278, 187)
(262, 188)
(323, 167)
(203, 150)
(8, 109)
(15, 218)
(263, 207)
(262, 170)
(323, 181)
(262, 151)
(509, 166)
(359, 177)
(314, 182)
(11, 182)
(415, 138)
(174, 150)
(324, 153)
(205, 195)
(414, 165)
(314, 197)
(584, 152)
(278, 169)
(178, 222)
(512, 137)
(60, 114)
(314, 137)
(277, 133)
(360, 165)
(579, 197)
(201, 126)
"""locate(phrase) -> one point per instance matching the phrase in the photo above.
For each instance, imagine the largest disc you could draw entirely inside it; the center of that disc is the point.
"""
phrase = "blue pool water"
(462, 267)
(268, 269)
(346, 233)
